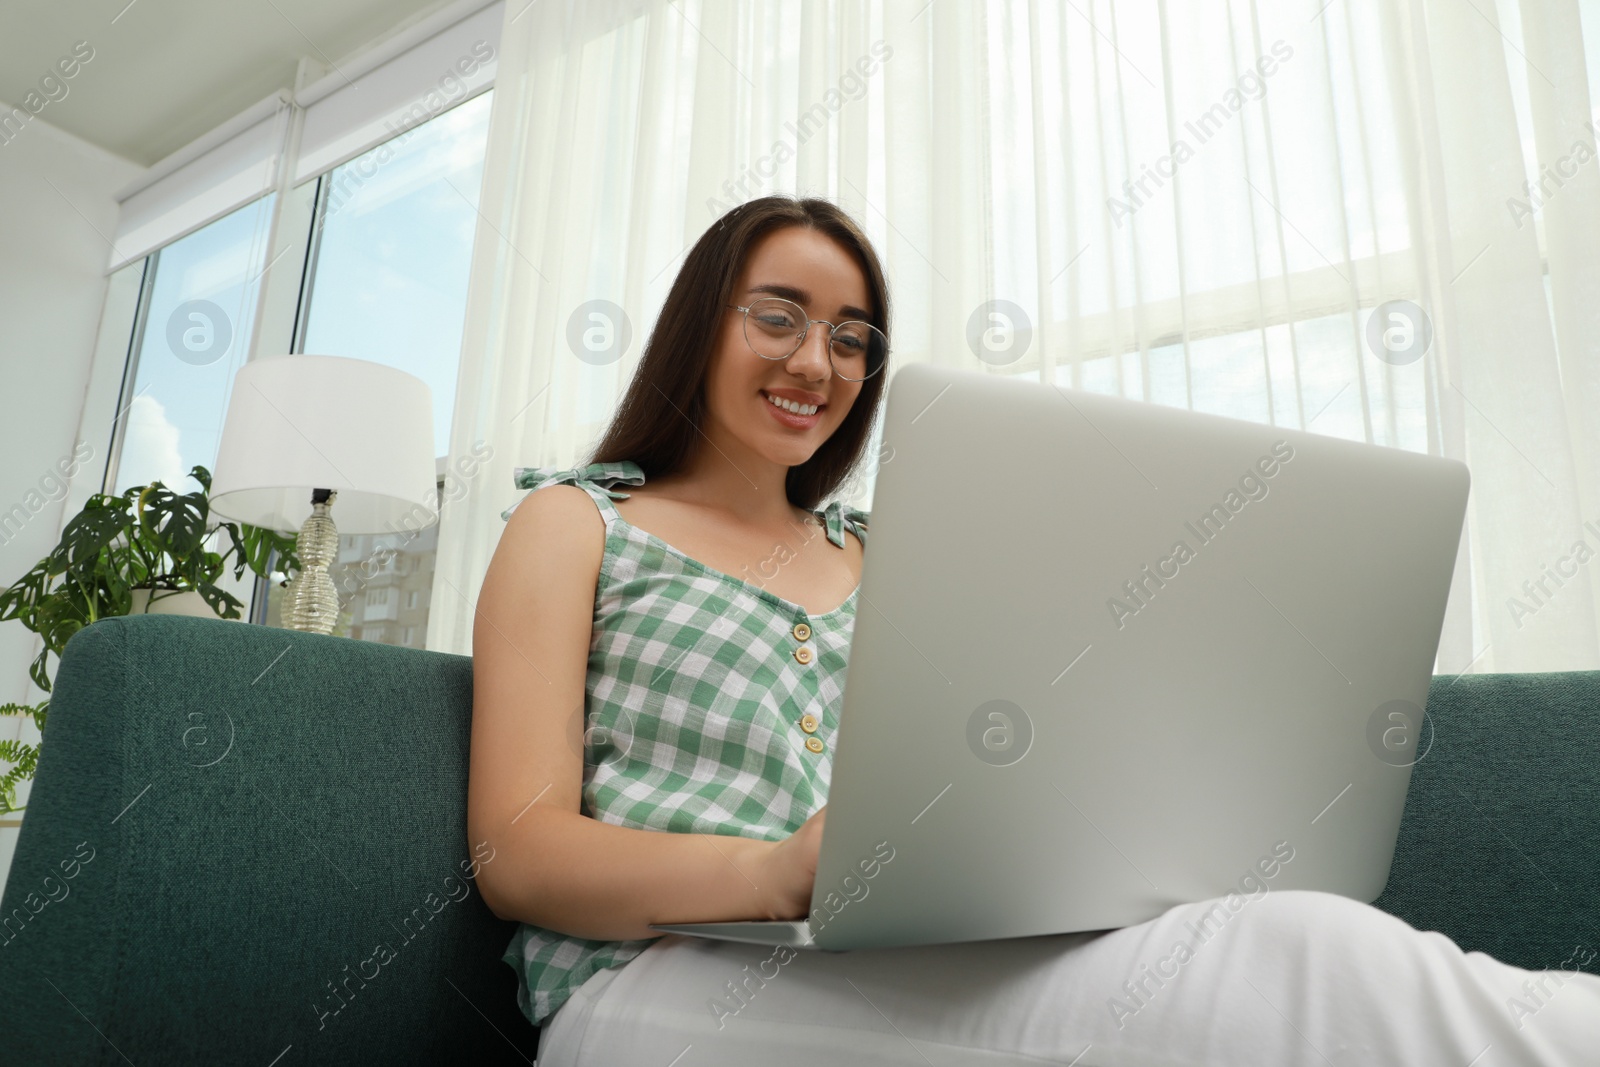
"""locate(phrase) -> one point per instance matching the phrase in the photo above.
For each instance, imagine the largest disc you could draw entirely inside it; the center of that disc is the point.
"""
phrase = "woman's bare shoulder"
(559, 521)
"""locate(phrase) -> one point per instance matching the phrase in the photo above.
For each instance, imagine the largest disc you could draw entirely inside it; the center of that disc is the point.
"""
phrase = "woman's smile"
(793, 408)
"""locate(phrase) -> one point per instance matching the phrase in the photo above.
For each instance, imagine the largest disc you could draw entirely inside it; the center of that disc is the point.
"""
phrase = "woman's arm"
(553, 866)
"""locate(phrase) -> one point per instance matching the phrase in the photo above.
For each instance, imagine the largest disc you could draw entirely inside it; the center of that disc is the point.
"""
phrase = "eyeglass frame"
(800, 338)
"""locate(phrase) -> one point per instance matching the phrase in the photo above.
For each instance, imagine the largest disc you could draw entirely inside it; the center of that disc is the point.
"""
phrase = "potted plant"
(121, 555)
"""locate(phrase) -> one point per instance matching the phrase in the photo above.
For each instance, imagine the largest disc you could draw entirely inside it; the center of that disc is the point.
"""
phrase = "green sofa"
(229, 821)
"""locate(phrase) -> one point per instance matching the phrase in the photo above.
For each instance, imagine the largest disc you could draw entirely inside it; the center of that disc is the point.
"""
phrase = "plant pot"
(171, 603)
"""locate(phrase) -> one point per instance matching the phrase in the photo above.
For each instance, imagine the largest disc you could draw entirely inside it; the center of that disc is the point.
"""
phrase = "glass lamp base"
(313, 603)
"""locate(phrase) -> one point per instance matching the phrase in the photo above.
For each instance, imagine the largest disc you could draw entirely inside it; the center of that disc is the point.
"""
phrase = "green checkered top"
(696, 709)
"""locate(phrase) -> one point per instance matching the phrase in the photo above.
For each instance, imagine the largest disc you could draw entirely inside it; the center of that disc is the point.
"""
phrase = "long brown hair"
(657, 424)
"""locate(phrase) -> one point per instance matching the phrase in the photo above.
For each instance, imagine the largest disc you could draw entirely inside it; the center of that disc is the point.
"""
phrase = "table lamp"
(303, 431)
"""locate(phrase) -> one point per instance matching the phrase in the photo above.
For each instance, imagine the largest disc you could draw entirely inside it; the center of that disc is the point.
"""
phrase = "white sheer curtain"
(1191, 204)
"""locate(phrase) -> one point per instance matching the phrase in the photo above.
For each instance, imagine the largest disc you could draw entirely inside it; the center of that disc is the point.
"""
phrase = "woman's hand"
(786, 873)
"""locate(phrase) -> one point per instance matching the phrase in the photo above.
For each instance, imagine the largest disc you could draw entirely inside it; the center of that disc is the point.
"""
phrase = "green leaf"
(19, 752)
(86, 537)
(175, 524)
(254, 547)
(36, 712)
(222, 602)
(25, 760)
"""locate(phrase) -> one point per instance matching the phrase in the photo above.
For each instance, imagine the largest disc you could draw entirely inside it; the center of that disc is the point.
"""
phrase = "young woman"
(659, 655)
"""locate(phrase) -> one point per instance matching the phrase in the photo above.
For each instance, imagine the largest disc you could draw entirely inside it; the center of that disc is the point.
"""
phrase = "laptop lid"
(1110, 657)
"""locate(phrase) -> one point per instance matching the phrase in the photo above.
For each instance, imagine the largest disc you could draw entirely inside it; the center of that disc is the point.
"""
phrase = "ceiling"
(163, 72)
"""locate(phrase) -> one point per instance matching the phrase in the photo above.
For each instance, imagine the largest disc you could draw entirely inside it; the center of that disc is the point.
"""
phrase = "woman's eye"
(852, 343)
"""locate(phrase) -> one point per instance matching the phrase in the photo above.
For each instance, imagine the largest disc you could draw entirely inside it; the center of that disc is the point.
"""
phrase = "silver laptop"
(1110, 657)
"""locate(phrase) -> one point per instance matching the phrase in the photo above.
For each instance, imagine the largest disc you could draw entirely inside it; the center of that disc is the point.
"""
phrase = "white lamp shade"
(299, 423)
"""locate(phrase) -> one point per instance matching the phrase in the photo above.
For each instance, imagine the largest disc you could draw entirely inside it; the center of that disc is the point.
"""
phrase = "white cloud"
(151, 451)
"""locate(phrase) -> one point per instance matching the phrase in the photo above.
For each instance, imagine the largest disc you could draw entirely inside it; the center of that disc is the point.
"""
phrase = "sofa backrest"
(243, 842)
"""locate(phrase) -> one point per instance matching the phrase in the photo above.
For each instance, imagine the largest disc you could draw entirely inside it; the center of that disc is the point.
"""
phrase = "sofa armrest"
(1499, 847)
(244, 842)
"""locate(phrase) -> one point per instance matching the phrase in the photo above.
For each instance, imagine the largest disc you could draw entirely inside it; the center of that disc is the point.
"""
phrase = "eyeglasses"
(775, 328)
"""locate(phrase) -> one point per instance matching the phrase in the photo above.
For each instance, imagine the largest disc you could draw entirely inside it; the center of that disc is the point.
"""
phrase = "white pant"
(1291, 977)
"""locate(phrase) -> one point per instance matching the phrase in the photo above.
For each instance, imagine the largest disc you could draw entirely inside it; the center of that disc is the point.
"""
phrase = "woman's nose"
(811, 359)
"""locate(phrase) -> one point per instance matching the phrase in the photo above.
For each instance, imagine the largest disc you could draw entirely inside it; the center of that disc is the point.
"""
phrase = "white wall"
(57, 213)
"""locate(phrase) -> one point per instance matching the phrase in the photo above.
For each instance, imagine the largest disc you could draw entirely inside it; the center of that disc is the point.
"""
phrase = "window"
(196, 314)
(1224, 373)
(388, 282)
(384, 174)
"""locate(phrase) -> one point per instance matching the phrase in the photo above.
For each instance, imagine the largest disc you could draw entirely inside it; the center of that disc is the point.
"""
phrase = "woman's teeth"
(790, 406)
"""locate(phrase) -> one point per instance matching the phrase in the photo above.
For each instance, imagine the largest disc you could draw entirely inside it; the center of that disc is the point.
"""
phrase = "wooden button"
(808, 723)
(802, 654)
(814, 744)
(801, 631)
